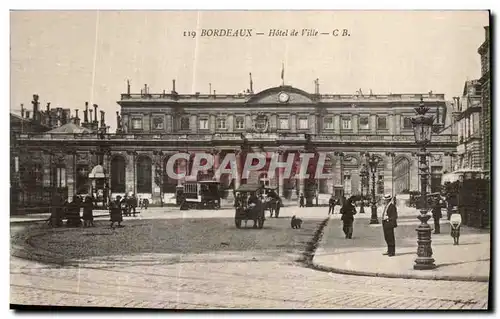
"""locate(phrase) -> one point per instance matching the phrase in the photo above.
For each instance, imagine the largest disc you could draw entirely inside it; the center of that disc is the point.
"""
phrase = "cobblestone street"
(201, 262)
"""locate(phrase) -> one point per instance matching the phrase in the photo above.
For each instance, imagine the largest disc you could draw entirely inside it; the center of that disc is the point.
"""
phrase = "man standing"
(389, 222)
(301, 201)
(331, 205)
(436, 215)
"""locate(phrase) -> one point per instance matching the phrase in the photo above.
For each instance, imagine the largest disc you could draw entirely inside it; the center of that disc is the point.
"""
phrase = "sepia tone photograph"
(272, 160)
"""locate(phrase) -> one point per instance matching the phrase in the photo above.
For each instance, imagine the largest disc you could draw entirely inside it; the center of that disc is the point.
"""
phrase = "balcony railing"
(299, 137)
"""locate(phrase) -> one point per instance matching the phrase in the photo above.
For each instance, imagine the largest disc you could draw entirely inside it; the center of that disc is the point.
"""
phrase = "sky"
(70, 57)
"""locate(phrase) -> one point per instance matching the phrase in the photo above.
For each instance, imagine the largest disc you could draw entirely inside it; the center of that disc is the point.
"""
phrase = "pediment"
(288, 94)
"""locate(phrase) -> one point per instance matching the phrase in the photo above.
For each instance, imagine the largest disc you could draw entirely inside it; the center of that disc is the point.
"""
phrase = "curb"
(401, 276)
(313, 244)
(43, 220)
(330, 269)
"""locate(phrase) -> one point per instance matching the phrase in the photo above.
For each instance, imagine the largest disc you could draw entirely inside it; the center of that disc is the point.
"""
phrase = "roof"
(97, 172)
(249, 188)
(70, 128)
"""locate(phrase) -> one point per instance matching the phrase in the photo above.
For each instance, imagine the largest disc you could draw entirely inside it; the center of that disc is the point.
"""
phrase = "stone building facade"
(467, 114)
(484, 52)
(283, 120)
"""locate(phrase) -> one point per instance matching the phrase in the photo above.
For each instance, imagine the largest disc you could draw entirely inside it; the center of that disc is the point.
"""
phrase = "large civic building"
(151, 127)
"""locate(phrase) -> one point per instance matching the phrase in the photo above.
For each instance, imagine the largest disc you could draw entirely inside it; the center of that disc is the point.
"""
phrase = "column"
(230, 123)
(147, 123)
(336, 124)
(70, 175)
(212, 123)
(388, 173)
(397, 125)
(248, 122)
(312, 123)
(391, 124)
(414, 177)
(355, 124)
(331, 170)
(373, 124)
(273, 125)
(126, 123)
(281, 177)
(216, 155)
(130, 172)
(355, 182)
(293, 127)
(193, 125)
(168, 123)
(237, 178)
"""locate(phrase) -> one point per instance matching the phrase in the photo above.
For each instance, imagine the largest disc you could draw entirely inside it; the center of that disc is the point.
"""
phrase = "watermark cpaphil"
(304, 166)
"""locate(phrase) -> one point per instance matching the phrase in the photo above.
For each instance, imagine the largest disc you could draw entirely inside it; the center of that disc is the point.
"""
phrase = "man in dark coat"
(301, 201)
(331, 205)
(115, 212)
(389, 222)
(348, 211)
(436, 215)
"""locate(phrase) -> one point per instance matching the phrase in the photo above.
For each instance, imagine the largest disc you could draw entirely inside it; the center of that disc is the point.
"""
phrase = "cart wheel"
(237, 222)
(261, 222)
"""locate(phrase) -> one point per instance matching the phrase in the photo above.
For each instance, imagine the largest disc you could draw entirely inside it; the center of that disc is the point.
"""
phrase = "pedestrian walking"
(145, 203)
(348, 211)
(455, 222)
(88, 216)
(331, 205)
(132, 204)
(115, 212)
(389, 222)
(301, 201)
(277, 208)
(436, 215)
(73, 213)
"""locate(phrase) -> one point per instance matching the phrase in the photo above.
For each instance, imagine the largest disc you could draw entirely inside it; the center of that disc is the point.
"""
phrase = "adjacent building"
(484, 52)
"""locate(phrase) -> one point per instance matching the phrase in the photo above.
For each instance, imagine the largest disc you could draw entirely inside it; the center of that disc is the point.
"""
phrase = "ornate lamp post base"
(374, 218)
(424, 260)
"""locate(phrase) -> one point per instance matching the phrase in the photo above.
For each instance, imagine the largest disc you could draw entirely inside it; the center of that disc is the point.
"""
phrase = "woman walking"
(116, 212)
(88, 216)
(348, 211)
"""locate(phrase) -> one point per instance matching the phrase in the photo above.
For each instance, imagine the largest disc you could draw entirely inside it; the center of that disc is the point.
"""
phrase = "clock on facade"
(283, 97)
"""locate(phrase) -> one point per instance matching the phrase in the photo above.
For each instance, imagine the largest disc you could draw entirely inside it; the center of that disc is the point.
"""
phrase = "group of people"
(71, 212)
(124, 207)
(389, 220)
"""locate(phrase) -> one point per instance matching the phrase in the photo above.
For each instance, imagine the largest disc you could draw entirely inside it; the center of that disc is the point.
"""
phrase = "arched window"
(118, 175)
(401, 175)
(144, 175)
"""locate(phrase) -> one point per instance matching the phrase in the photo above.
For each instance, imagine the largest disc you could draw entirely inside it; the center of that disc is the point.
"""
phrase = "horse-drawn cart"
(249, 206)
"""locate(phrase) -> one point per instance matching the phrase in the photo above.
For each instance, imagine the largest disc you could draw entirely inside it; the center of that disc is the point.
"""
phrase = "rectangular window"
(203, 124)
(381, 123)
(240, 123)
(284, 124)
(364, 123)
(346, 124)
(158, 123)
(60, 176)
(303, 124)
(185, 123)
(221, 123)
(328, 123)
(137, 123)
(407, 122)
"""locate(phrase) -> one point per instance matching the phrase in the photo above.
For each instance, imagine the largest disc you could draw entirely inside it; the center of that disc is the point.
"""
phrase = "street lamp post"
(422, 127)
(364, 179)
(373, 163)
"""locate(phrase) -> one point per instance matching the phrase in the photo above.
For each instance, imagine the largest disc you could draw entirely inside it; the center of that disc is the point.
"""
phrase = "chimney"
(48, 107)
(145, 89)
(35, 106)
(214, 93)
(102, 119)
(95, 112)
(128, 87)
(49, 122)
(86, 113)
(209, 88)
(22, 110)
(90, 114)
(77, 119)
(173, 86)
